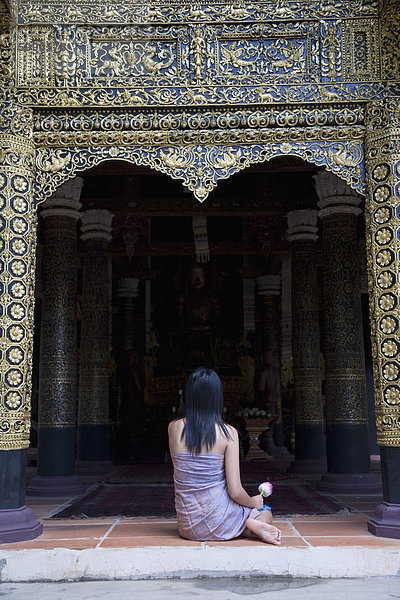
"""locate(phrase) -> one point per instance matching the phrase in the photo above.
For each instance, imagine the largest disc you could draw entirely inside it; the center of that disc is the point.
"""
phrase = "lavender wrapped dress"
(203, 506)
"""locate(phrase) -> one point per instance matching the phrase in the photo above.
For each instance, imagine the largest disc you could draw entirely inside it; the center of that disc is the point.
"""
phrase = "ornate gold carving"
(36, 56)
(201, 166)
(200, 91)
(178, 11)
(382, 217)
(362, 50)
(17, 275)
(54, 163)
(390, 17)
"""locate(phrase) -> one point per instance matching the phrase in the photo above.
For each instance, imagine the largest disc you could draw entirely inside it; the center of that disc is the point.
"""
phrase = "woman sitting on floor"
(210, 501)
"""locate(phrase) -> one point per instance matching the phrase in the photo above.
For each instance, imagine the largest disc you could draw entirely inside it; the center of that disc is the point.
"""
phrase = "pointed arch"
(201, 166)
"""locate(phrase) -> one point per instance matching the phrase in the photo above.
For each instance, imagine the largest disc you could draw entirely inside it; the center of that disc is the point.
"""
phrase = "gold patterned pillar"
(58, 351)
(93, 414)
(302, 233)
(17, 278)
(383, 248)
(347, 443)
(269, 290)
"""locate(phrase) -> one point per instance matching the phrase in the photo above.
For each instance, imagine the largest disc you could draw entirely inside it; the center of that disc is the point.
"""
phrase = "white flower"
(388, 325)
(385, 279)
(389, 348)
(18, 290)
(14, 377)
(17, 311)
(384, 258)
(18, 267)
(252, 413)
(386, 302)
(18, 246)
(15, 356)
(13, 400)
(20, 184)
(381, 194)
(19, 225)
(392, 396)
(383, 236)
(382, 215)
(265, 489)
(16, 333)
(20, 205)
(380, 172)
(391, 372)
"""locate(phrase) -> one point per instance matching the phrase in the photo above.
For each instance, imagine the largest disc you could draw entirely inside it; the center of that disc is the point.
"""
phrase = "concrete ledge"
(61, 564)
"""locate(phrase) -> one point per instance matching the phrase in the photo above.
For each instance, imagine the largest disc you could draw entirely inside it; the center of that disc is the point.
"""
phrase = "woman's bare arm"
(232, 471)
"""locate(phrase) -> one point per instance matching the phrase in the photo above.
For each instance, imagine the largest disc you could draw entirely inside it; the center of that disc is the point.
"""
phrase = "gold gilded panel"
(17, 275)
(35, 56)
(362, 50)
(383, 250)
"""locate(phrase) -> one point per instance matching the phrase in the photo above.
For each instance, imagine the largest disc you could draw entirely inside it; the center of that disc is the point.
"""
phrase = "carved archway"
(200, 167)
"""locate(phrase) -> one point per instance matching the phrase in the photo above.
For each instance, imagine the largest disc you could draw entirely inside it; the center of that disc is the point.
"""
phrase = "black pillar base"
(307, 465)
(55, 486)
(93, 467)
(93, 443)
(18, 525)
(353, 483)
(386, 521)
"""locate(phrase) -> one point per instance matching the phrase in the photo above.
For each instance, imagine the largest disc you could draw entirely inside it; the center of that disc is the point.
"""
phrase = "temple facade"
(186, 183)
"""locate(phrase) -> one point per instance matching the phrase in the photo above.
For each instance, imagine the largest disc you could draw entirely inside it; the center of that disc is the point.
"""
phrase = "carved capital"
(65, 201)
(128, 287)
(335, 196)
(269, 285)
(96, 224)
(302, 225)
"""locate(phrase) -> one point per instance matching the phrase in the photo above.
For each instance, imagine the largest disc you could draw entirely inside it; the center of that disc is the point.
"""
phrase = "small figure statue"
(199, 307)
(198, 314)
(268, 383)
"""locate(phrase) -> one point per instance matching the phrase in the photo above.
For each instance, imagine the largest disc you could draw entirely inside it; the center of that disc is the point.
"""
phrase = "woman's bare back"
(177, 443)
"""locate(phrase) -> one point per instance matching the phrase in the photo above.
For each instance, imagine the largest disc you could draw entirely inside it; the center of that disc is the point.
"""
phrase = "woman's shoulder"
(232, 431)
(176, 424)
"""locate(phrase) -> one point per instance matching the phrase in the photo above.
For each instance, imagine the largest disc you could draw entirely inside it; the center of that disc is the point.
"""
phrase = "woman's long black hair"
(203, 407)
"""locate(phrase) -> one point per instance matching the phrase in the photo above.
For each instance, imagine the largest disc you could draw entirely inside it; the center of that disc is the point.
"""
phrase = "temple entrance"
(187, 285)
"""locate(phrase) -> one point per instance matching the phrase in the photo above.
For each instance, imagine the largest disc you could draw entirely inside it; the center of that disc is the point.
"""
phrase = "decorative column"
(269, 288)
(127, 365)
(346, 403)
(383, 251)
(93, 413)
(17, 280)
(309, 429)
(58, 352)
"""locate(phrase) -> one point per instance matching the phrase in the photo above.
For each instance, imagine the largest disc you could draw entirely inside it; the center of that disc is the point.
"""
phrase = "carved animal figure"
(56, 162)
(233, 55)
(342, 158)
(173, 160)
(327, 95)
(291, 57)
(151, 65)
(264, 96)
(113, 64)
(228, 159)
(196, 97)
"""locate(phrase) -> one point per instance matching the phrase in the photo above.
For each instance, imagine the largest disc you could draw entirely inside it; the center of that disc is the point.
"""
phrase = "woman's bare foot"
(266, 532)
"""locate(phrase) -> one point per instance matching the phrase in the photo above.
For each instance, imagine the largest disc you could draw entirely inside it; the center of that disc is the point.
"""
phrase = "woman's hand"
(258, 501)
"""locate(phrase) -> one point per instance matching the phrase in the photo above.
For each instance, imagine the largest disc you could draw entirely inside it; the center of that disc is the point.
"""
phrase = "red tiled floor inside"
(347, 528)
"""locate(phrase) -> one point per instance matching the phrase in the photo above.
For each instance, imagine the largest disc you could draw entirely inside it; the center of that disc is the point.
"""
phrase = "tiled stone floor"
(349, 528)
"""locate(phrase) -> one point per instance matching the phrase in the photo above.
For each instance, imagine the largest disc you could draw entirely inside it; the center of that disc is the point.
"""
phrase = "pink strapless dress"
(204, 509)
